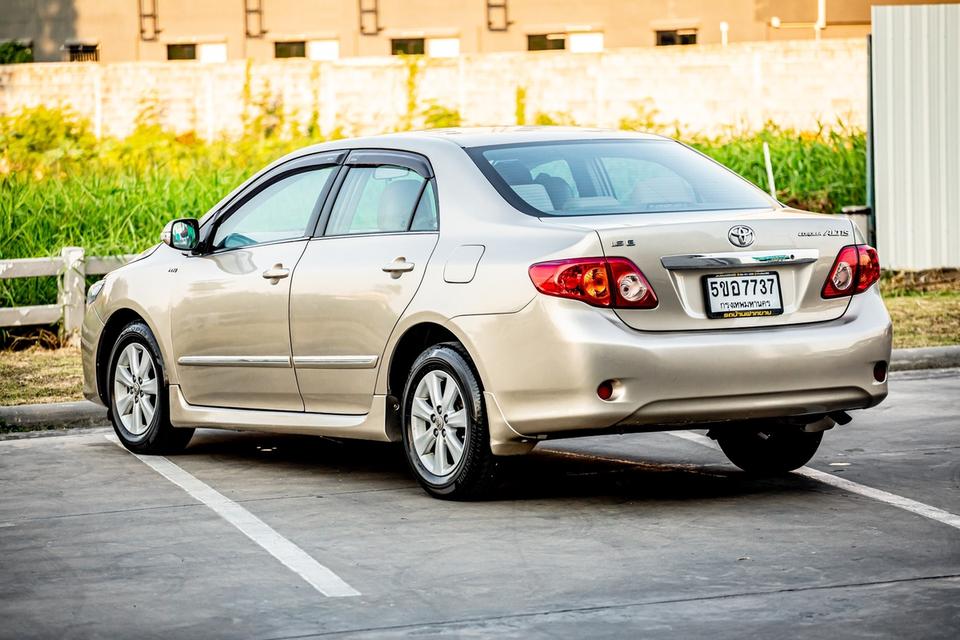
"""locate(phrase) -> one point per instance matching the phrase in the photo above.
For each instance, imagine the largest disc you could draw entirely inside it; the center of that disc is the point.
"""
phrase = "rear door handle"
(275, 273)
(398, 267)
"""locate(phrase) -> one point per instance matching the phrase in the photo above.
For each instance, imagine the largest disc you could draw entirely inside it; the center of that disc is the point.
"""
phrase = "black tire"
(159, 437)
(771, 451)
(476, 474)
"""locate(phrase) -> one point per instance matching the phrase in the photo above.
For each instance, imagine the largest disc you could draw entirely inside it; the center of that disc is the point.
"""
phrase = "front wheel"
(770, 451)
(139, 396)
(445, 433)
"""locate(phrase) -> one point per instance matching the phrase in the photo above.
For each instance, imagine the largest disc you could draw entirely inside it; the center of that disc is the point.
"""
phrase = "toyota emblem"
(740, 236)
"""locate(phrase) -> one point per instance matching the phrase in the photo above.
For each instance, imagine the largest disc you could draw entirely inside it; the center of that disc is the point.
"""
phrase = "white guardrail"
(71, 268)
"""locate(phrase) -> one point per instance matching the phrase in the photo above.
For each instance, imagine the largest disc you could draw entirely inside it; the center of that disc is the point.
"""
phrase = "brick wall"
(703, 88)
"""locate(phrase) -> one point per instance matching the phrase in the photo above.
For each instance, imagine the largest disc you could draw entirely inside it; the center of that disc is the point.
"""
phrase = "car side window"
(425, 218)
(376, 200)
(281, 211)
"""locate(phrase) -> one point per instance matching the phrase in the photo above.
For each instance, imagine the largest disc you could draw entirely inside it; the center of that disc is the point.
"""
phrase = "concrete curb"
(55, 415)
(64, 415)
(925, 358)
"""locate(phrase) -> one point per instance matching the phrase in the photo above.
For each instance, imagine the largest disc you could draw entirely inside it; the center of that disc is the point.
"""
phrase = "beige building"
(219, 30)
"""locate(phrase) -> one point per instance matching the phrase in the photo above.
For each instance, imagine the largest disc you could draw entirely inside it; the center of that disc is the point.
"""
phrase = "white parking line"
(892, 499)
(318, 576)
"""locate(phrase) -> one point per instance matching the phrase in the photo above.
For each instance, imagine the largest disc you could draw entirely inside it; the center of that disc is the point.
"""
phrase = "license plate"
(743, 295)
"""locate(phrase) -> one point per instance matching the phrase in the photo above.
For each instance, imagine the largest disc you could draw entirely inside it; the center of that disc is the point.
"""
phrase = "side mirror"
(182, 234)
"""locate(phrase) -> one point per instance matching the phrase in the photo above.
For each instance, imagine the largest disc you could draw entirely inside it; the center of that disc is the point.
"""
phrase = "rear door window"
(382, 199)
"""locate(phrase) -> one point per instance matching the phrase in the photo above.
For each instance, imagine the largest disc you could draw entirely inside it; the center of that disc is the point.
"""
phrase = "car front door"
(358, 275)
(230, 321)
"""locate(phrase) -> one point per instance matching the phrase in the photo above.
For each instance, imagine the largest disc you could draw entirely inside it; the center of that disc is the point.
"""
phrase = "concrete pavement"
(619, 536)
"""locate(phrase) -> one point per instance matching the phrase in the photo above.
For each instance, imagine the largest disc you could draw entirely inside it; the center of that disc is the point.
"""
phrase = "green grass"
(820, 171)
(59, 186)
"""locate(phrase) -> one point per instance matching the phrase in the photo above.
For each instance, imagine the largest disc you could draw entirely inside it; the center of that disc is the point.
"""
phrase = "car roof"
(467, 137)
(483, 136)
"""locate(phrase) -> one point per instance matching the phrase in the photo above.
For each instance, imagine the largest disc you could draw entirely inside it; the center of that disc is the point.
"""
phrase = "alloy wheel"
(438, 423)
(135, 388)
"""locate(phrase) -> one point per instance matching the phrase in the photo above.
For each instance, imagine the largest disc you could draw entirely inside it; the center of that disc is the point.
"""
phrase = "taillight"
(601, 282)
(856, 268)
(869, 267)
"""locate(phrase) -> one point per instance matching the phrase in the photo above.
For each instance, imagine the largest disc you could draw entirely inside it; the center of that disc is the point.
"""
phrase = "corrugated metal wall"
(916, 132)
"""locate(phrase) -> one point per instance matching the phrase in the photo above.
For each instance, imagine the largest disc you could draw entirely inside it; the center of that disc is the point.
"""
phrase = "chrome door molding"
(735, 259)
(282, 362)
(335, 362)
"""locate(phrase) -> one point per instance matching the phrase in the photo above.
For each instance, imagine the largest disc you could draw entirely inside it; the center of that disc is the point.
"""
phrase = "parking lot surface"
(645, 534)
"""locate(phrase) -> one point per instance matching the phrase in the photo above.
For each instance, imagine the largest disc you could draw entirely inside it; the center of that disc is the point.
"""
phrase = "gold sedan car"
(474, 292)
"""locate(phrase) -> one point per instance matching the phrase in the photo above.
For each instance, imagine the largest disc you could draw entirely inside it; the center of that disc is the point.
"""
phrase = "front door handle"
(275, 273)
(398, 267)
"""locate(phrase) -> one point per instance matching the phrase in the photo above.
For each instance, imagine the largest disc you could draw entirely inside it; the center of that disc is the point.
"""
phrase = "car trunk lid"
(678, 252)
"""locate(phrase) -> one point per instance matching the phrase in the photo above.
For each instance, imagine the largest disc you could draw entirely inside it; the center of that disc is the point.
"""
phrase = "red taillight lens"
(856, 268)
(601, 282)
(869, 267)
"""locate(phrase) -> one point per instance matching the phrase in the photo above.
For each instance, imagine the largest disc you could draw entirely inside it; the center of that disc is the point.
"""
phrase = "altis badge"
(826, 233)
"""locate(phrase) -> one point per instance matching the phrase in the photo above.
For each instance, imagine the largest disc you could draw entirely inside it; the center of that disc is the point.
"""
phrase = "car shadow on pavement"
(542, 475)
(553, 474)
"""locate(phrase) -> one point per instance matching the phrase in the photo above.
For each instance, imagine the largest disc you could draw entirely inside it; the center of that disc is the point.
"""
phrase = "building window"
(676, 36)
(212, 52)
(585, 42)
(547, 42)
(181, 52)
(290, 49)
(443, 47)
(407, 46)
(323, 49)
(82, 52)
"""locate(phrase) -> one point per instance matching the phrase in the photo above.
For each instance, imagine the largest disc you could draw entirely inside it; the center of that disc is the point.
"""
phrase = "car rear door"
(230, 319)
(359, 274)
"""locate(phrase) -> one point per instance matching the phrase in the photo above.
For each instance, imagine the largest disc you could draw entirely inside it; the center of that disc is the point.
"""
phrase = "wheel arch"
(112, 327)
(411, 343)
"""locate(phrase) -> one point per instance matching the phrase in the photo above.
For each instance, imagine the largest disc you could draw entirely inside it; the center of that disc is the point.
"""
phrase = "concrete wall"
(703, 88)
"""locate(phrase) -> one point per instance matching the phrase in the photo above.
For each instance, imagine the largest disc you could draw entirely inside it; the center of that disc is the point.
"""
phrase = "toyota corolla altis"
(474, 292)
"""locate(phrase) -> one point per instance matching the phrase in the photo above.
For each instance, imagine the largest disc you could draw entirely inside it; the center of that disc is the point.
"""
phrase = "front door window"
(281, 211)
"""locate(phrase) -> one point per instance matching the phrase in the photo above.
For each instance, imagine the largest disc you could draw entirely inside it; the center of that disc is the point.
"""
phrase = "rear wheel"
(139, 406)
(445, 433)
(770, 451)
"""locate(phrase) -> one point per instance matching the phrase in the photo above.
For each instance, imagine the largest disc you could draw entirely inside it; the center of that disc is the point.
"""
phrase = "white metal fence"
(915, 66)
(71, 268)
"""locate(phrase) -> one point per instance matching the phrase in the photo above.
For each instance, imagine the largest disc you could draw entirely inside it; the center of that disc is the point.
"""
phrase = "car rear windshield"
(597, 177)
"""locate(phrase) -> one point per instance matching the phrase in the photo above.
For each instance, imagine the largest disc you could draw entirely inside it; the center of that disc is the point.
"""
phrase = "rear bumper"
(541, 367)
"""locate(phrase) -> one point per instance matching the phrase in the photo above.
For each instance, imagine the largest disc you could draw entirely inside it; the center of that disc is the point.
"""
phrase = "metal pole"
(769, 165)
(871, 188)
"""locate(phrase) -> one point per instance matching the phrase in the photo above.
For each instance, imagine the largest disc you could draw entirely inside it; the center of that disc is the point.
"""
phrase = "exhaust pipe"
(828, 422)
(840, 417)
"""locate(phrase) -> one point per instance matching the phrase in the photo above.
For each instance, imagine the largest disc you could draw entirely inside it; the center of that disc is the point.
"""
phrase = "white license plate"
(743, 295)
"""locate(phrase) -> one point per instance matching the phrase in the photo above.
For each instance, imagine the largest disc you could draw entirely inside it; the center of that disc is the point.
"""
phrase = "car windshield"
(597, 177)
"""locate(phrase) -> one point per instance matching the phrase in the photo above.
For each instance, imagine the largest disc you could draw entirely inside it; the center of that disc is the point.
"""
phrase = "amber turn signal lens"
(595, 283)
